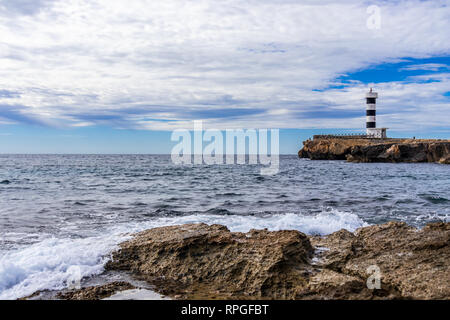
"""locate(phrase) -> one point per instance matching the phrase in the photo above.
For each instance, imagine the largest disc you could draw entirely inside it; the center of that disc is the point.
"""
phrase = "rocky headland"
(199, 261)
(377, 150)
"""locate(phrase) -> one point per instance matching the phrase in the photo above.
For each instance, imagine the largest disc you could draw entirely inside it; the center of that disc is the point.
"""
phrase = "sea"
(60, 213)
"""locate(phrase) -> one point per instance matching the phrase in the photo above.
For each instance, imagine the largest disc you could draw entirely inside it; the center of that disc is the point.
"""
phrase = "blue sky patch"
(400, 71)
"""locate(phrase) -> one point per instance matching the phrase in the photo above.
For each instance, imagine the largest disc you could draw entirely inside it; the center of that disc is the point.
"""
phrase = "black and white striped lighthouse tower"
(371, 102)
(371, 113)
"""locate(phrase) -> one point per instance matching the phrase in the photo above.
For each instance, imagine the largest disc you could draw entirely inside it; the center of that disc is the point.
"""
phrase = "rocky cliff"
(377, 150)
(208, 261)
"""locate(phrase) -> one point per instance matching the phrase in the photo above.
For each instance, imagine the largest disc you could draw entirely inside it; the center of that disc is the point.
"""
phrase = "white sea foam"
(323, 223)
(50, 264)
(136, 294)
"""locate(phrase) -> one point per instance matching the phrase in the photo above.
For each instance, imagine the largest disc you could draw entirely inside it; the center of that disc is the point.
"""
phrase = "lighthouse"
(371, 124)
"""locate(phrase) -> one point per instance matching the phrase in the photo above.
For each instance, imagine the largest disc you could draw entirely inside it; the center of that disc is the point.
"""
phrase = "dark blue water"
(76, 208)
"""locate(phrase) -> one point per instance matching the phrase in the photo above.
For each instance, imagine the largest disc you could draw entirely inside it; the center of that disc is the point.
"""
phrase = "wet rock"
(95, 292)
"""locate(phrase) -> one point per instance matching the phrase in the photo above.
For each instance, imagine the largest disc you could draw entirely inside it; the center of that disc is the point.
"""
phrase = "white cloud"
(132, 63)
(426, 67)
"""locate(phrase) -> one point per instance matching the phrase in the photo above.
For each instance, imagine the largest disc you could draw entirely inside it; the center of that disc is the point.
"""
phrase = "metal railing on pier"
(344, 136)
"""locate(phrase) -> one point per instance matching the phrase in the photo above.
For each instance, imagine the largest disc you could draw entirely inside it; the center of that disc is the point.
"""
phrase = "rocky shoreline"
(199, 261)
(377, 150)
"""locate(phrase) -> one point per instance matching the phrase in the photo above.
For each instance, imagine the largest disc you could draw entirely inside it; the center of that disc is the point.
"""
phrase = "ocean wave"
(422, 219)
(49, 264)
(435, 199)
(319, 224)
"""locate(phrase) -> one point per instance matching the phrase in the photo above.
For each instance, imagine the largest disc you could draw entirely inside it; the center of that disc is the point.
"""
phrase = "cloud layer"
(160, 64)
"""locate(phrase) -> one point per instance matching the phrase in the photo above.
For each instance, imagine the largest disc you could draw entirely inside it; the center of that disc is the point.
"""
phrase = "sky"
(113, 76)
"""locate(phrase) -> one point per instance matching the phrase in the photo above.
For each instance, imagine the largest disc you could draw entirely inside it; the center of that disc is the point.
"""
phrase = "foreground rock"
(414, 264)
(377, 150)
(201, 261)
